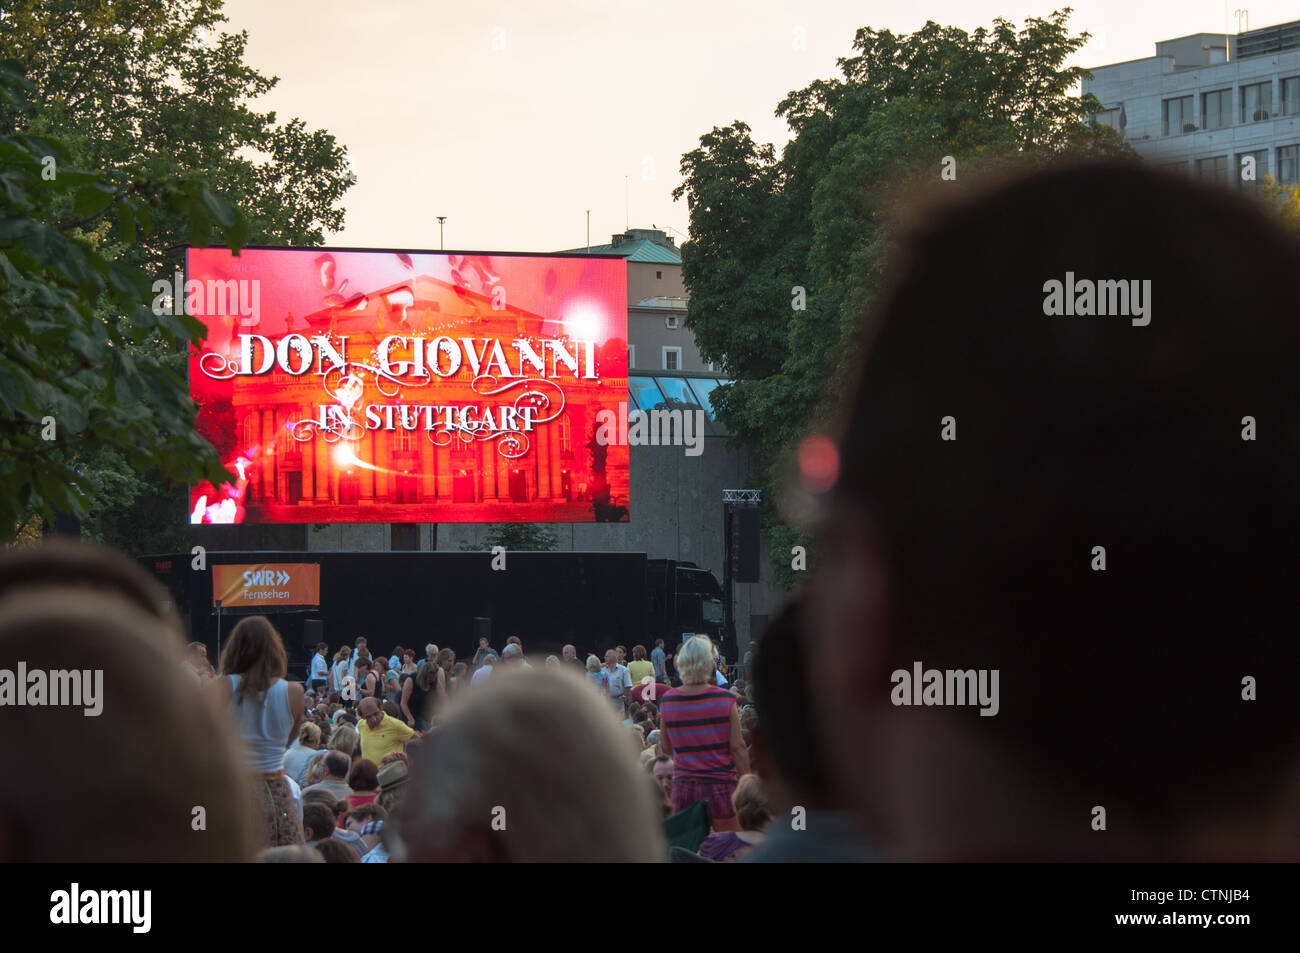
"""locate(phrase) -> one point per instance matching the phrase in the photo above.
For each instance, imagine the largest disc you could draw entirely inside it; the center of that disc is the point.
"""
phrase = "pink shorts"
(686, 791)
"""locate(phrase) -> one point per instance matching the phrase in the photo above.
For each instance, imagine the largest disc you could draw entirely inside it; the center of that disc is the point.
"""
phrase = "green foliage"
(151, 91)
(1284, 198)
(515, 537)
(77, 377)
(819, 217)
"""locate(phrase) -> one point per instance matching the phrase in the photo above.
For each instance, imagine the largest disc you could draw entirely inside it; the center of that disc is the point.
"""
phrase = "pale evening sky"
(514, 119)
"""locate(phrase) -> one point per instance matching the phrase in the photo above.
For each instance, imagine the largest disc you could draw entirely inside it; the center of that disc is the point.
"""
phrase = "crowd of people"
(353, 722)
(1113, 532)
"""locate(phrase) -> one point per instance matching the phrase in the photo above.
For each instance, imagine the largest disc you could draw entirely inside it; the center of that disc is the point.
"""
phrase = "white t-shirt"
(481, 675)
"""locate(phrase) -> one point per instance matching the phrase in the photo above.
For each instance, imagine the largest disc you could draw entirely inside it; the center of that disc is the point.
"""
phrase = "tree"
(1284, 198)
(516, 537)
(150, 90)
(786, 253)
(75, 378)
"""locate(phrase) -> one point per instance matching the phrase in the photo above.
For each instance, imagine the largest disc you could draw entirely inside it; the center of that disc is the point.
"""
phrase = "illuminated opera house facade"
(393, 474)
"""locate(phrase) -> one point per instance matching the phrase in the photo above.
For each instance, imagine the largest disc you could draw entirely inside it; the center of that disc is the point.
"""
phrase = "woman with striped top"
(701, 732)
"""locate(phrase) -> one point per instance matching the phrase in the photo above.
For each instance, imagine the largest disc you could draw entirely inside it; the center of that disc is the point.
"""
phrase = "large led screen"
(379, 386)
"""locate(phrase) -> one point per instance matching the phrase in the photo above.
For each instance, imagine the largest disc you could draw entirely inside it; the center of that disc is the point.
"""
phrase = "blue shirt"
(319, 667)
(659, 660)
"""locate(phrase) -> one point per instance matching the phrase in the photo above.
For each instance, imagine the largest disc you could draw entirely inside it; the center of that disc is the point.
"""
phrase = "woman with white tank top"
(268, 711)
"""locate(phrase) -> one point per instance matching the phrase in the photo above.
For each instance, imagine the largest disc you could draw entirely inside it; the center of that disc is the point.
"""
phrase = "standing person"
(660, 661)
(640, 667)
(269, 711)
(618, 684)
(367, 681)
(320, 670)
(417, 697)
(430, 655)
(395, 660)
(701, 732)
(485, 671)
(597, 673)
(447, 663)
(360, 652)
(393, 687)
(481, 653)
(569, 657)
(340, 670)
(380, 734)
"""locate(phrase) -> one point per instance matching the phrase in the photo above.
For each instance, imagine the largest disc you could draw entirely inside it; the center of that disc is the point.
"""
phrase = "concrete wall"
(676, 513)
(649, 334)
(642, 283)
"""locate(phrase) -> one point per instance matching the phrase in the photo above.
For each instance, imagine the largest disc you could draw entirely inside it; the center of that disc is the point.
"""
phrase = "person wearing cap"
(392, 784)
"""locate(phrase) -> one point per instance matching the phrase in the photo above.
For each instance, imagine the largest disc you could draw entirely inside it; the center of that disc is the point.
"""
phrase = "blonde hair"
(68, 620)
(695, 661)
(553, 754)
(345, 739)
(750, 801)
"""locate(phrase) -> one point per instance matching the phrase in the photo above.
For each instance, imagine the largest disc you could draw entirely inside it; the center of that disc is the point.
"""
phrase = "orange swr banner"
(261, 585)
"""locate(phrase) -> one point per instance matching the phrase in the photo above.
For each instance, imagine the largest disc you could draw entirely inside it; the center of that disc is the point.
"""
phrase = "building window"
(1179, 167)
(1288, 165)
(1178, 116)
(1260, 157)
(631, 356)
(1108, 117)
(672, 359)
(566, 435)
(659, 274)
(1257, 102)
(1216, 109)
(1214, 169)
(1291, 96)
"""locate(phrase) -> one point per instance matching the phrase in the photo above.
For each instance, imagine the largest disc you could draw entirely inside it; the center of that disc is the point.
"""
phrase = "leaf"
(126, 223)
(92, 199)
(219, 207)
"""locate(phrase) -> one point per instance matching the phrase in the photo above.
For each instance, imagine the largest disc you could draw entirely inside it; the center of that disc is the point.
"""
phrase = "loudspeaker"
(745, 523)
(313, 632)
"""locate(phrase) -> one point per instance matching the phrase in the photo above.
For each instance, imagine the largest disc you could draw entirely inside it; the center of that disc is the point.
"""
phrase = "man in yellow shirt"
(381, 734)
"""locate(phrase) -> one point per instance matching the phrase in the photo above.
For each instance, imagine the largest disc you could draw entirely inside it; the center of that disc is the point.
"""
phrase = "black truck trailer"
(593, 600)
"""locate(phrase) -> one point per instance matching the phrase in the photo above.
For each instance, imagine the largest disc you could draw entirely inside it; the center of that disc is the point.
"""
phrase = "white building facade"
(1220, 107)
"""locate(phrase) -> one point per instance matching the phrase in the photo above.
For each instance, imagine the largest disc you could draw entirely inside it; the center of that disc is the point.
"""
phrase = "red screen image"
(392, 387)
